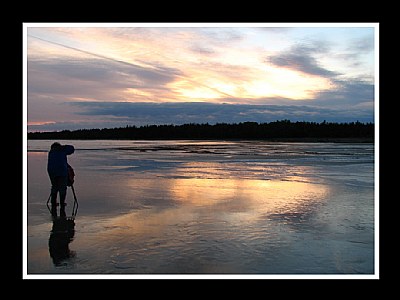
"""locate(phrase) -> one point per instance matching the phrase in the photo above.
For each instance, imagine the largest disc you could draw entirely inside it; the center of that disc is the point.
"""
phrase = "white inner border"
(205, 276)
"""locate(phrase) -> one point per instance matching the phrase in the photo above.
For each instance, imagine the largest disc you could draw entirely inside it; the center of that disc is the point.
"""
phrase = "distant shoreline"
(277, 140)
(278, 131)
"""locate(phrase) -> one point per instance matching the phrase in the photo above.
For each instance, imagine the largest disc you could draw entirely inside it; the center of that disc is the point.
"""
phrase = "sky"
(110, 75)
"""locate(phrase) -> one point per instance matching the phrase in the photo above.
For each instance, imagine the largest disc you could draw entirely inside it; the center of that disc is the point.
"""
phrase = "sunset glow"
(330, 69)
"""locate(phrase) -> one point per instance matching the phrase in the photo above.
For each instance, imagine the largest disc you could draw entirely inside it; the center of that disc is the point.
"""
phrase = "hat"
(55, 145)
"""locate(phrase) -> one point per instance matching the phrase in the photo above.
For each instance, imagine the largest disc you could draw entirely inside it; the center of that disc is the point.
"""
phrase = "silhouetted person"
(57, 168)
(61, 235)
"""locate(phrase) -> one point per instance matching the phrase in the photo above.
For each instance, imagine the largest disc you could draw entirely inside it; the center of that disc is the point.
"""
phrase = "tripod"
(75, 206)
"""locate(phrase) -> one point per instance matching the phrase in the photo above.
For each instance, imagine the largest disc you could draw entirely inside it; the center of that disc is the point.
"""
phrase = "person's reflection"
(61, 235)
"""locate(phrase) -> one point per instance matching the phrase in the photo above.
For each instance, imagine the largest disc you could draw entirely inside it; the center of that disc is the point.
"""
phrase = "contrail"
(128, 64)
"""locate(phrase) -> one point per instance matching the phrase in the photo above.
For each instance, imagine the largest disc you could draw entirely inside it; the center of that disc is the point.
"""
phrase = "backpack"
(71, 176)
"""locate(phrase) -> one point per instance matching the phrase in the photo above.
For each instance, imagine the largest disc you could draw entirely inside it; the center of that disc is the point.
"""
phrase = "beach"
(206, 207)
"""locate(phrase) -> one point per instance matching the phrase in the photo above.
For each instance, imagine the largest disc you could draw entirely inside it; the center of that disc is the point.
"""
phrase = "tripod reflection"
(61, 235)
(62, 232)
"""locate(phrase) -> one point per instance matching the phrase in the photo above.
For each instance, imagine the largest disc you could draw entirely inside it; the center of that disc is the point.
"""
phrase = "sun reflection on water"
(201, 200)
(258, 196)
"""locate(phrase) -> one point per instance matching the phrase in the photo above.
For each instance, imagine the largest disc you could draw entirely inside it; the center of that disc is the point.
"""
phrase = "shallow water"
(206, 207)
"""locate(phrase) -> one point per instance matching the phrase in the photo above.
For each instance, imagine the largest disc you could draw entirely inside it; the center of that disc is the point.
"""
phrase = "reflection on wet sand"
(191, 212)
(264, 195)
(62, 234)
(224, 200)
(209, 226)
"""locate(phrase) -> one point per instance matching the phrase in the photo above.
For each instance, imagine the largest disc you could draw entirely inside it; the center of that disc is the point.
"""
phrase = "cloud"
(94, 78)
(363, 44)
(202, 50)
(301, 58)
(199, 112)
(358, 54)
(347, 93)
(220, 35)
(104, 70)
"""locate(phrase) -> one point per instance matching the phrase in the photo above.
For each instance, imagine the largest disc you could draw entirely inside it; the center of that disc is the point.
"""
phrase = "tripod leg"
(75, 207)
(53, 208)
(48, 200)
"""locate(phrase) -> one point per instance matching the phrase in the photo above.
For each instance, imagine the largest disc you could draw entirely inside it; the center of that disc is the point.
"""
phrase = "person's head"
(55, 146)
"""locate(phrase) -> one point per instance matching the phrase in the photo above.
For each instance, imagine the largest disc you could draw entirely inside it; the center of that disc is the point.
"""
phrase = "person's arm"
(69, 149)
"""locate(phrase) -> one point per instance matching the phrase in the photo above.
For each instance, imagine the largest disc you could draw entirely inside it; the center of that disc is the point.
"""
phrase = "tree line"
(284, 129)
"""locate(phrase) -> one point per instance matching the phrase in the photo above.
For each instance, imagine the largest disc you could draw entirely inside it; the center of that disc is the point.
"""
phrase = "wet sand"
(207, 207)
